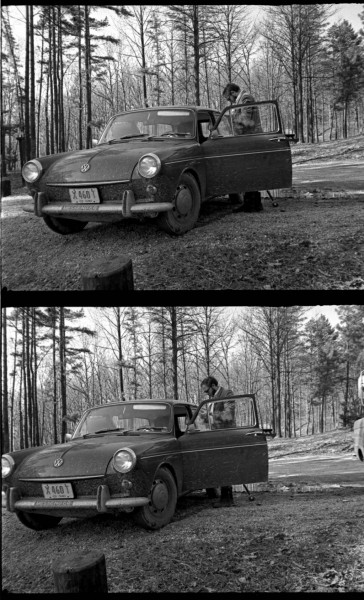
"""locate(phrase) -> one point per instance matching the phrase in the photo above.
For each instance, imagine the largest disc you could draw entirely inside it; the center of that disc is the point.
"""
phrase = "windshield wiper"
(127, 137)
(103, 431)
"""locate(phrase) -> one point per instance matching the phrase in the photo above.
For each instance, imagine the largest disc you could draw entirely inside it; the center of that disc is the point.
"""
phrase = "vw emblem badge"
(85, 168)
(58, 462)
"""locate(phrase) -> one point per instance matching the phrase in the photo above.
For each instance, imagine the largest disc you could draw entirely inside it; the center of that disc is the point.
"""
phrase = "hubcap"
(159, 495)
(183, 201)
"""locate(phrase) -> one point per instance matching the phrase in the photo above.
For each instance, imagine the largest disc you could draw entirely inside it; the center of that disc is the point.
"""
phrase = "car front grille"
(81, 487)
(108, 193)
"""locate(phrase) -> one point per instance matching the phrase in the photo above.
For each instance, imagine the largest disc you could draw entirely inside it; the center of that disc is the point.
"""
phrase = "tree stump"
(82, 572)
(109, 274)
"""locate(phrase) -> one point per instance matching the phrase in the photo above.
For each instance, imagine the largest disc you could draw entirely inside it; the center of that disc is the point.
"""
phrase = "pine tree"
(346, 61)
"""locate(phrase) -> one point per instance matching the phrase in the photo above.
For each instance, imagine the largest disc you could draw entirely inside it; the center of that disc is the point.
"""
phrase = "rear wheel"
(163, 500)
(64, 226)
(37, 522)
(236, 198)
(186, 207)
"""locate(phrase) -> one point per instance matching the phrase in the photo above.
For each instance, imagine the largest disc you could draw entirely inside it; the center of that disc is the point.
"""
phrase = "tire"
(64, 226)
(37, 522)
(163, 500)
(187, 203)
(236, 198)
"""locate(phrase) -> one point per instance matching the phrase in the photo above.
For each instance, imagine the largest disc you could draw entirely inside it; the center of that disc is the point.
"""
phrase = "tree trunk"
(26, 86)
(174, 351)
(4, 376)
(62, 360)
(32, 87)
(55, 80)
(120, 352)
(80, 71)
(196, 51)
(88, 77)
(54, 342)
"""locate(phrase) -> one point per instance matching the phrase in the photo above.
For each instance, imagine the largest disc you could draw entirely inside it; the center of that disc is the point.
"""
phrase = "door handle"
(282, 139)
(255, 433)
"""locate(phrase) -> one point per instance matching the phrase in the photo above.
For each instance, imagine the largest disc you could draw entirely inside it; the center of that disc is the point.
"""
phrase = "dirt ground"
(292, 542)
(281, 542)
(311, 241)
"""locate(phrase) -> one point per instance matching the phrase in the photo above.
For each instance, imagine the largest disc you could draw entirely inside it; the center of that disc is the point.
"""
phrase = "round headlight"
(7, 465)
(32, 170)
(124, 460)
(149, 165)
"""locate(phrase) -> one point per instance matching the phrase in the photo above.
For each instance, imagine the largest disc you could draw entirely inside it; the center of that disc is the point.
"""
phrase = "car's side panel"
(170, 457)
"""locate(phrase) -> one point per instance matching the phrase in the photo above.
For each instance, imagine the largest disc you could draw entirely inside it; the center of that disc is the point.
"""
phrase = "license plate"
(57, 490)
(84, 195)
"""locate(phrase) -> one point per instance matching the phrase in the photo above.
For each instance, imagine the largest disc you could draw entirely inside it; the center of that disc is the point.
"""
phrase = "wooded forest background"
(58, 361)
(70, 75)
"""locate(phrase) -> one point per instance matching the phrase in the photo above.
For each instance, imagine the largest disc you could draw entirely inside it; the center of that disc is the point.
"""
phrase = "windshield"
(126, 416)
(175, 123)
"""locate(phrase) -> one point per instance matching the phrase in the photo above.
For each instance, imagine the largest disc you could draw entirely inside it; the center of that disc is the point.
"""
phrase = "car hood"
(85, 457)
(111, 162)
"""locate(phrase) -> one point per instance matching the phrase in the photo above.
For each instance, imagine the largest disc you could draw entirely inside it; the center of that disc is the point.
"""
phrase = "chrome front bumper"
(128, 207)
(101, 503)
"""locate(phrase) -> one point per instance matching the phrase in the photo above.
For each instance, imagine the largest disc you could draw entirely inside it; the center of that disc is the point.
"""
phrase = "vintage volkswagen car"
(160, 162)
(137, 457)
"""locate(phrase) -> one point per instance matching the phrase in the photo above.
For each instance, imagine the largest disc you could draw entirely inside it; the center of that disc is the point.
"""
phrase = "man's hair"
(209, 381)
(231, 87)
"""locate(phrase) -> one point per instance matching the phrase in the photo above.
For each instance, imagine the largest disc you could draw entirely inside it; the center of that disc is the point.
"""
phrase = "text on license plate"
(84, 195)
(57, 490)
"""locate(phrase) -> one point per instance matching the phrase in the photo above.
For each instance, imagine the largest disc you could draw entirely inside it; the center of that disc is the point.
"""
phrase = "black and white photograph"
(183, 147)
(182, 309)
(183, 449)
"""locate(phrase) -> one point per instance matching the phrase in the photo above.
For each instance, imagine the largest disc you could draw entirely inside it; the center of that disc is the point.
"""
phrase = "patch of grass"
(336, 441)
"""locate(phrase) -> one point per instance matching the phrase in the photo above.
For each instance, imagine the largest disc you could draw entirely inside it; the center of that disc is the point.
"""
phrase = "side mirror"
(95, 142)
(291, 136)
(67, 437)
(214, 135)
(269, 432)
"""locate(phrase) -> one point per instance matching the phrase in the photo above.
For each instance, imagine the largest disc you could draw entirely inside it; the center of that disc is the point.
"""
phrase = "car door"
(216, 453)
(248, 162)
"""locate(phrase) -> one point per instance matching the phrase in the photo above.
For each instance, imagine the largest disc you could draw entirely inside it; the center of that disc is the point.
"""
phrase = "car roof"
(151, 400)
(179, 107)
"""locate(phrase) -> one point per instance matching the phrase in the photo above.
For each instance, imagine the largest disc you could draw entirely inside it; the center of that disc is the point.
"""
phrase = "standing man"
(244, 121)
(211, 387)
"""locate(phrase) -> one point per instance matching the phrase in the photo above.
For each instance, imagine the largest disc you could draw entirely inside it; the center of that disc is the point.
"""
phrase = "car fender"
(199, 175)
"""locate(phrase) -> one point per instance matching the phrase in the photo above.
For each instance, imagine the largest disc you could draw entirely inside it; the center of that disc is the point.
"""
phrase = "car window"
(226, 414)
(252, 119)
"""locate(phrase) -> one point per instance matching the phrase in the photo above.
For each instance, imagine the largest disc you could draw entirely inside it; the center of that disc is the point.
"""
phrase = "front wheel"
(163, 500)
(37, 522)
(186, 207)
(64, 226)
